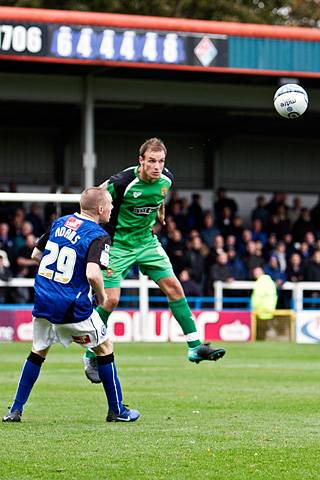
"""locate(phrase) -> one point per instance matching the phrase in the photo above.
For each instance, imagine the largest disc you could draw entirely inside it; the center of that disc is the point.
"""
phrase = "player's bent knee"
(171, 287)
(112, 302)
(105, 348)
(41, 353)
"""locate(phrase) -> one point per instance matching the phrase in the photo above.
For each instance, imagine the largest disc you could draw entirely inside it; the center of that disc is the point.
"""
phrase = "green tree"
(279, 12)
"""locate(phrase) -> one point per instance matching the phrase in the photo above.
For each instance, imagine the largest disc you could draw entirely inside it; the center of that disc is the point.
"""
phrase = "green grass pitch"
(253, 415)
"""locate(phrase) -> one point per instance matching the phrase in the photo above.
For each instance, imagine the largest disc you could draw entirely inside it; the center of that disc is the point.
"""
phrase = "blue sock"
(29, 375)
(111, 384)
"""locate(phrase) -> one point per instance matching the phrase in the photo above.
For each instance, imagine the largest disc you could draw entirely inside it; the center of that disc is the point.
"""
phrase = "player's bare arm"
(94, 277)
(162, 214)
(36, 255)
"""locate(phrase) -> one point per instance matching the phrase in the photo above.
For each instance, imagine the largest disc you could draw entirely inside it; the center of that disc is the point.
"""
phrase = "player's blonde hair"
(93, 197)
(154, 144)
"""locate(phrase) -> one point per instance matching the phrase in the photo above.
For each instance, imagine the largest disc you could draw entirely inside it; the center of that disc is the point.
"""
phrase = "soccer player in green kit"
(138, 195)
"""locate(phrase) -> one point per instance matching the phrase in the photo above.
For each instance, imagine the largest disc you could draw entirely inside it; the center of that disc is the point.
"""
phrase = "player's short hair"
(154, 144)
(92, 197)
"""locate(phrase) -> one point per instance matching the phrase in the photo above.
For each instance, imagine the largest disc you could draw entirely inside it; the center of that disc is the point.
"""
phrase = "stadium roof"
(87, 38)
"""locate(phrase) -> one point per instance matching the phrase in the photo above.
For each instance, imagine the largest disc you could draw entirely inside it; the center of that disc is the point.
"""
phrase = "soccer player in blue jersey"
(70, 258)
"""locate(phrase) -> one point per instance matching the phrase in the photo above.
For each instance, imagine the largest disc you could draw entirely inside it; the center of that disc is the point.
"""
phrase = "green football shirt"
(135, 204)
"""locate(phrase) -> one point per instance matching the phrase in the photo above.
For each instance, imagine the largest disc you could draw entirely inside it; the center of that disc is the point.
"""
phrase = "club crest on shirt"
(109, 272)
(164, 191)
(103, 330)
(73, 223)
(83, 339)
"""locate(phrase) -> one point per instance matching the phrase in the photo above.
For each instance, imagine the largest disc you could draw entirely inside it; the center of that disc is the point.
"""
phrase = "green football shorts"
(150, 257)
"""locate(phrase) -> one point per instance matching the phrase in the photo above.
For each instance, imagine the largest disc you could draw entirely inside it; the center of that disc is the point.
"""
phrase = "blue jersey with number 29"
(61, 285)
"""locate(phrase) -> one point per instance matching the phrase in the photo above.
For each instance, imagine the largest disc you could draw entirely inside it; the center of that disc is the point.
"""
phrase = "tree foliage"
(279, 12)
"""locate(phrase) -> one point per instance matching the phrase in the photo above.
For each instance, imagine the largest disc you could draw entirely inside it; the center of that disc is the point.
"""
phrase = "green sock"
(104, 315)
(183, 315)
(89, 353)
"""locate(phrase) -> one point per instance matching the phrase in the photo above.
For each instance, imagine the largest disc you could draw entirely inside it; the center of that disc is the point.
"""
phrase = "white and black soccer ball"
(290, 100)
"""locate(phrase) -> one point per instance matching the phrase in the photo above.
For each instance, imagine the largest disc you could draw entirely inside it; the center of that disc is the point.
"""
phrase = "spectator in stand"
(257, 231)
(272, 268)
(176, 251)
(190, 288)
(288, 241)
(251, 260)
(237, 268)
(6, 242)
(174, 197)
(225, 224)
(278, 198)
(294, 212)
(315, 217)
(259, 249)
(304, 252)
(284, 222)
(312, 274)
(34, 217)
(280, 254)
(27, 268)
(274, 226)
(312, 271)
(216, 249)
(195, 213)
(193, 233)
(220, 271)
(170, 227)
(16, 224)
(279, 224)
(5, 275)
(310, 239)
(245, 239)
(237, 229)
(302, 225)
(222, 202)
(260, 212)
(209, 231)
(179, 217)
(196, 254)
(231, 242)
(20, 238)
(295, 269)
(269, 246)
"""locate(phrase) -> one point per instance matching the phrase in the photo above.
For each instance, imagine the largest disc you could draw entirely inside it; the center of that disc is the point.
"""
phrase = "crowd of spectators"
(209, 245)
(203, 245)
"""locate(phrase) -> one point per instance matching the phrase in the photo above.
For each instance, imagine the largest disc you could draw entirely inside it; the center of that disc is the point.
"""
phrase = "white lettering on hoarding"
(6, 334)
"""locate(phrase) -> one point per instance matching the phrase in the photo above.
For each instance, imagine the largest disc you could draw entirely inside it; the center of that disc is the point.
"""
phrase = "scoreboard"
(62, 36)
(103, 45)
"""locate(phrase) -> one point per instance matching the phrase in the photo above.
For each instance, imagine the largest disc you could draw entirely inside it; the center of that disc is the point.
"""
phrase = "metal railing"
(297, 292)
(143, 284)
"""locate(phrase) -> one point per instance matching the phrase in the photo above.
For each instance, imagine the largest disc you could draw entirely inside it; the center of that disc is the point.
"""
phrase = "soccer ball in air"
(290, 100)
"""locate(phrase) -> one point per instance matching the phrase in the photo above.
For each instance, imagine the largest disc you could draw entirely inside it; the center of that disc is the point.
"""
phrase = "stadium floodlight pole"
(89, 156)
